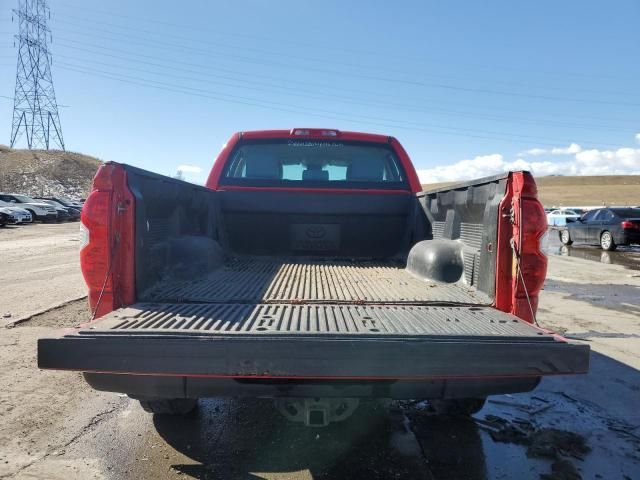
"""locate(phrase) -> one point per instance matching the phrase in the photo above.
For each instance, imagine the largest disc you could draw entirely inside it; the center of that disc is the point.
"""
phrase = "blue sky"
(469, 87)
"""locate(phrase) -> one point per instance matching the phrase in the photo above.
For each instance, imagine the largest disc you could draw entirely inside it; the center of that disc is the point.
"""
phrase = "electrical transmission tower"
(35, 111)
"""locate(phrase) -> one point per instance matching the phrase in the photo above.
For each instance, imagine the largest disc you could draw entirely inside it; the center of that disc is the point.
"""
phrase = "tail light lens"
(95, 256)
(106, 255)
(627, 225)
(533, 262)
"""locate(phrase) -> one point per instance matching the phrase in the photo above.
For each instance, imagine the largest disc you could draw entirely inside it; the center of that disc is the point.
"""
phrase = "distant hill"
(46, 172)
(590, 190)
(582, 190)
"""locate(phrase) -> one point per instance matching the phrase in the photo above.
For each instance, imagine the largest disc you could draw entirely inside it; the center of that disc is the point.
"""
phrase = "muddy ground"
(52, 426)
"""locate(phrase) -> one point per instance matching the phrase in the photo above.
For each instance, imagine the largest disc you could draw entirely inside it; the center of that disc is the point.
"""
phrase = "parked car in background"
(63, 215)
(64, 212)
(607, 227)
(39, 210)
(558, 217)
(16, 214)
(66, 202)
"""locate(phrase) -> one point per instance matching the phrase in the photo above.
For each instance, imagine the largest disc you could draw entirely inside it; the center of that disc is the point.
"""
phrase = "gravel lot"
(54, 427)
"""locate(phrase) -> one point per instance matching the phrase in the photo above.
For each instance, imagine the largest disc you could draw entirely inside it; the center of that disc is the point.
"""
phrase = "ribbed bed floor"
(296, 280)
(279, 319)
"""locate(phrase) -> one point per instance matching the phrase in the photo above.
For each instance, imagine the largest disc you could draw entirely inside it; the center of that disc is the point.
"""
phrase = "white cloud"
(570, 150)
(623, 161)
(485, 165)
(638, 137)
(536, 152)
(189, 169)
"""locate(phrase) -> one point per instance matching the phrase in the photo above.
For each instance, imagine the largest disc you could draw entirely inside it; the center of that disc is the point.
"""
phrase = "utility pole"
(35, 111)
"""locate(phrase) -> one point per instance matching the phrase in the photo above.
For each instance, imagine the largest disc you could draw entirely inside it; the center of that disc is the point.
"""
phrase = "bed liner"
(246, 279)
(318, 320)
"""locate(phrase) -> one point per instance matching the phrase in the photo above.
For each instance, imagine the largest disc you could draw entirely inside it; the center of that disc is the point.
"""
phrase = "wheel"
(565, 237)
(606, 241)
(169, 406)
(459, 407)
(33, 215)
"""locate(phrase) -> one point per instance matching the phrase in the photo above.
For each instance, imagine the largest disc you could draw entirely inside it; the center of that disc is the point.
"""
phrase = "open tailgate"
(313, 341)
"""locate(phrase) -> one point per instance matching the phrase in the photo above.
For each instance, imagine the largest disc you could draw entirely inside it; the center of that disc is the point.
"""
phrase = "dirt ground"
(38, 268)
(52, 426)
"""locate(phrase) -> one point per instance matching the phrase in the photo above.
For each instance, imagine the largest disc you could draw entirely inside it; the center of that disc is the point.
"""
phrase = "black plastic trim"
(190, 387)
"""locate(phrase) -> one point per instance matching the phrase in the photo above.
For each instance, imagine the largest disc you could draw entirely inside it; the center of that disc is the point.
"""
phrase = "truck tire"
(565, 237)
(606, 241)
(458, 407)
(169, 406)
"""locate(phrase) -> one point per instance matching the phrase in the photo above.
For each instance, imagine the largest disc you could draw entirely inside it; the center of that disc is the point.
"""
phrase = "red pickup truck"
(312, 269)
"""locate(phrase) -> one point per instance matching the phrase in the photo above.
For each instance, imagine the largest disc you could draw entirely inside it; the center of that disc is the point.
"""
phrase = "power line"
(305, 110)
(415, 83)
(309, 94)
(304, 57)
(13, 98)
(332, 87)
(324, 87)
(301, 43)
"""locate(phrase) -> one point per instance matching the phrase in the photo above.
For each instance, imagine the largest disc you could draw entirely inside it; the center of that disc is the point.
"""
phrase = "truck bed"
(227, 289)
(249, 279)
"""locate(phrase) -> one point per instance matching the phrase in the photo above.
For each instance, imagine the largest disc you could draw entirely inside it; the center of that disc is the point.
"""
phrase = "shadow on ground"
(247, 439)
(250, 439)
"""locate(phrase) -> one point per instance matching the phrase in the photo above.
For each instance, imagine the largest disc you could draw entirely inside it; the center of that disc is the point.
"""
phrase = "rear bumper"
(312, 357)
(630, 237)
(197, 387)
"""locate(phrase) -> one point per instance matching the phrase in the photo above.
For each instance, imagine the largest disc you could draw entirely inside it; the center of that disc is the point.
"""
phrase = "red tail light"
(521, 265)
(533, 263)
(106, 255)
(627, 225)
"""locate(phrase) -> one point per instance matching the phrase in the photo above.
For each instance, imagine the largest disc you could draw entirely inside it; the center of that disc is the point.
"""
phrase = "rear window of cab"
(314, 163)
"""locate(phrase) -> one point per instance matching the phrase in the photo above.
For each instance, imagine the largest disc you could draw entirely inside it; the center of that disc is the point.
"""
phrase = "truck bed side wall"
(468, 213)
(176, 227)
